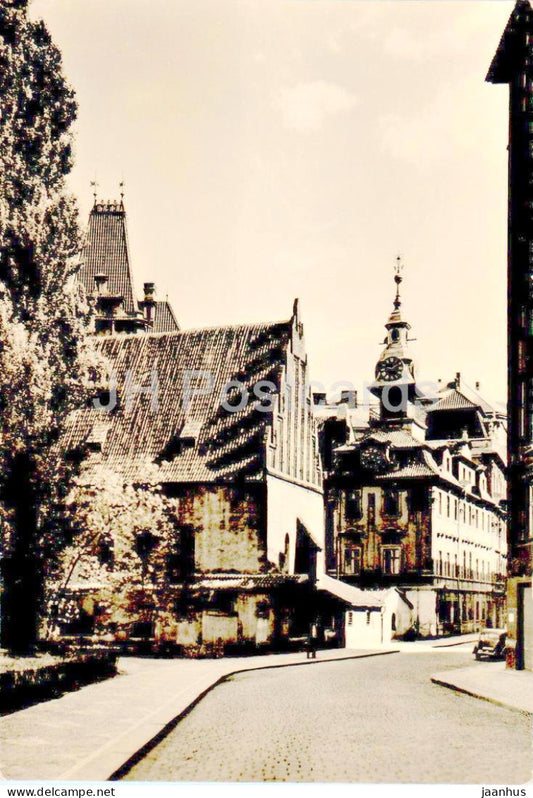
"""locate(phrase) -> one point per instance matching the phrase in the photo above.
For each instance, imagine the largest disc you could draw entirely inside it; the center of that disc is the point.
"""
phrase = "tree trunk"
(22, 571)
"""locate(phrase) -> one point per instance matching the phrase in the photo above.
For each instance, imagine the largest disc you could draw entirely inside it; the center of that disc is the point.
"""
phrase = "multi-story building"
(414, 496)
(513, 65)
(225, 416)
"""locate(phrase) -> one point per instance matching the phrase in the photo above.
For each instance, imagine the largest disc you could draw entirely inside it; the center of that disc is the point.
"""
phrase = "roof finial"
(121, 186)
(94, 186)
(398, 269)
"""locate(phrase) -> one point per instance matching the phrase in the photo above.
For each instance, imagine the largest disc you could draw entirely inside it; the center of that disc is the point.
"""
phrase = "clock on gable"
(374, 458)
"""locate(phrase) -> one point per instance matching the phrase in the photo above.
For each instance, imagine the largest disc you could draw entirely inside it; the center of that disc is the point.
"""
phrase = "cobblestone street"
(368, 720)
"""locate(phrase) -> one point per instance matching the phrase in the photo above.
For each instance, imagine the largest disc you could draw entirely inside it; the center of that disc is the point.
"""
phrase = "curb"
(145, 749)
(471, 693)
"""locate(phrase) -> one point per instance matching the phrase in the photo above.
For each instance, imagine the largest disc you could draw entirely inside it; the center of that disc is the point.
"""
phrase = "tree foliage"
(47, 361)
(124, 536)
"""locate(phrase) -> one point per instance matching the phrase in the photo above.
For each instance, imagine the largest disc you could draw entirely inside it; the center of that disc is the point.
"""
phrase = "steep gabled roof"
(106, 252)
(147, 426)
(164, 318)
(513, 50)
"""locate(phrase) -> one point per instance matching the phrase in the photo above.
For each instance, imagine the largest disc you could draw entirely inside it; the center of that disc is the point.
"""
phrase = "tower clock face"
(389, 369)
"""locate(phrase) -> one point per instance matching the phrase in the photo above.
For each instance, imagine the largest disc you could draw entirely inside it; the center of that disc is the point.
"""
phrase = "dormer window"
(189, 435)
(97, 436)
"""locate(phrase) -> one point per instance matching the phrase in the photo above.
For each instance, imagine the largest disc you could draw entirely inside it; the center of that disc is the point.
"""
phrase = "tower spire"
(398, 269)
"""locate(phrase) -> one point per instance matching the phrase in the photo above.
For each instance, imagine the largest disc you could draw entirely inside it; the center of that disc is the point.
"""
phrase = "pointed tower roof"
(513, 53)
(395, 318)
(107, 253)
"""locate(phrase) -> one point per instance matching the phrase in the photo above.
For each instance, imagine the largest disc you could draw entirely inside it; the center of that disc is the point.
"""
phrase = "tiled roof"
(246, 581)
(106, 252)
(399, 438)
(148, 427)
(164, 318)
(411, 471)
(463, 398)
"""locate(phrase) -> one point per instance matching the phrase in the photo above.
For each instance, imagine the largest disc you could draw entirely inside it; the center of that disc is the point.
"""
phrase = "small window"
(105, 553)
(350, 618)
(352, 559)
(371, 509)
(390, 559)
(353, 505)
(368, 616)
(391, 503)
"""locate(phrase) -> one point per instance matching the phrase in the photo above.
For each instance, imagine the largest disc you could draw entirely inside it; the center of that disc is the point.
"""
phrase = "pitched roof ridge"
(214, 328)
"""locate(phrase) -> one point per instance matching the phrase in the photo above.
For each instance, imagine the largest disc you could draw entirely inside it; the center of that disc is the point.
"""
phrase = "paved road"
(368, 720)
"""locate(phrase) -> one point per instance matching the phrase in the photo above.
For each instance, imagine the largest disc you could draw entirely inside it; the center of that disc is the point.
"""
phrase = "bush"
(20, 687)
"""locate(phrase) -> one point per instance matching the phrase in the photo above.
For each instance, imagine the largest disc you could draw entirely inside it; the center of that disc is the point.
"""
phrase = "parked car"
(491, 644)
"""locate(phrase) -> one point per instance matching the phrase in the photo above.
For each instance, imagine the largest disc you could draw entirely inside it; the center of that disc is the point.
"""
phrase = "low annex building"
(415, 496)
(224, 417)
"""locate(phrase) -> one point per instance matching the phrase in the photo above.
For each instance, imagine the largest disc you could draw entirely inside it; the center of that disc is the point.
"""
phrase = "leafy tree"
(124, 539)
(47, 362)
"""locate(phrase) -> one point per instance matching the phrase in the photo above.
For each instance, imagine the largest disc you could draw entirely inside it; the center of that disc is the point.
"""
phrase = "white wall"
(286, 503)
(363, 628)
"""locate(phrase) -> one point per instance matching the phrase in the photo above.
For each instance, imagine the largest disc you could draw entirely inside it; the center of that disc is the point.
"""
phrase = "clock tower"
(395, 383)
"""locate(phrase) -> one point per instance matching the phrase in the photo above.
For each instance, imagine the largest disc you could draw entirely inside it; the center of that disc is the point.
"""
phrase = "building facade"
(513, 65)
(225, 418)
(415, 496)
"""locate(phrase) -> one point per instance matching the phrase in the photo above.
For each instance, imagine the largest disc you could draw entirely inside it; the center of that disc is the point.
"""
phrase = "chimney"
(348, 398)
(458, 379)
(101, 283)
(149, 301)
(319, 398)
(478, 386)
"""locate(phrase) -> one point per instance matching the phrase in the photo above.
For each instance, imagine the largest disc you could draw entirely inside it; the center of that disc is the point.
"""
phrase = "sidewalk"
(92, 733)
(441, 644)
(492, 682)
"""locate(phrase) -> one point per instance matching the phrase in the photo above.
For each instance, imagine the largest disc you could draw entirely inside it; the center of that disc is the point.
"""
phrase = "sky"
(293, 148)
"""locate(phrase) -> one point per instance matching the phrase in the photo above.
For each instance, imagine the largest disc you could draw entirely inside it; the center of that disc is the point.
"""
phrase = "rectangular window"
(350, 618)
(352, 559)
(371, 509)
(390, 559)
(448, 506)
(440, 503)
(353, 505)
(391, 503)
